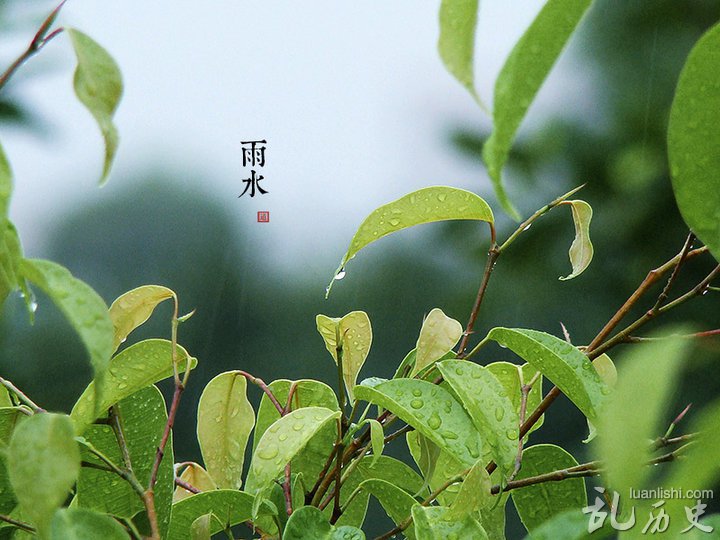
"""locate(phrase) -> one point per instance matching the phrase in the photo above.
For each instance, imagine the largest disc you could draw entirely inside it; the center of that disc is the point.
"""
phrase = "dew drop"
(434, 422)
(499, 414)
(33, 306)
(417, 392)
(282, 438)
(527, 226)
(511, 434)
(269, 452)
(298, 426)
(449, 435)
(394, 222)
(122, 386)
(417, 403)
(340, 274)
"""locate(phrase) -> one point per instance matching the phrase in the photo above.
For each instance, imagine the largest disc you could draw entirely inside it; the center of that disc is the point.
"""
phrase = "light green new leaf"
(133, 308)
(98, 86)
(196, 476)
(606, 369)
(427, 205)
(82, 306)
(136, 367)
(634, 413)
(581, 250)
(283, 441)
(10, 251)
(486, 401)
(43, 463)
(562, 363)
(224, 422)
(437, 467)
(432, 411)
(474, 493)
(143, 416)
(309, 522)
(438, 335)
(228, 506)
(521, 77)
(456, 45)
(433, 523)
(512, 377)
(81, 524)
(570, 525)
(537, 503)
(354, 333)
(693, 139)
(396, 502)
(200, 528)
(377, 437)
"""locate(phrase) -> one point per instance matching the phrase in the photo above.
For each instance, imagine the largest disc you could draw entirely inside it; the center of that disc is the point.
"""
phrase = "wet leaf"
(137, 367)
(377, 437)
(283, 441)
(473, 495)
(200, 528)
(355, 335)
(98, 86)
(228, 506)
(43, 463)
(432, 523)
(456, 45)
(225, 420)
(427, 205)
(512, 377)
(83, 308)
(537, 503)
(438, 335)
(581, 249)
(521, 77)
(693, 139)
(143, 417)
(562, 363)
(197, 477)
(308, 522)
(486, 401)
(432, 411)
(396, 502)
(133, 308)
(80, 524)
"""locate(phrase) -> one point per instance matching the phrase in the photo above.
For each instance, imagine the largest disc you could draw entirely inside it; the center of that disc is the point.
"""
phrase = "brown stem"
(287, 491)
(264, 387)
(17, 523)
(187, 486)
(683, 256)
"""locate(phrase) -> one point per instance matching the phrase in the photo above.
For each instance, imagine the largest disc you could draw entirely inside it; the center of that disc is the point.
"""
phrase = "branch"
(187, 486)
(264, 387)
(17, 523)
(21, 396)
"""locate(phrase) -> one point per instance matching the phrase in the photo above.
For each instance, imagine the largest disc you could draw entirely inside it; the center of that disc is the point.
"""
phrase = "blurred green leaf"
(693, 139)
(134, 307)
(137, 367)
(197, 477)
(431, 410)
(308, 522)
(200, 528)
(396, 502)
(83, 308)
(569, 525)
(98, 85)
(9, 418)
(354, 332)
(456, 45)
(80, 524)
(486, 401)
(224, 422)
(427, 205)
(607, 372)
(438, 335)
(521, 77)
(581, 249)
(283, 441)
(43, 463)
(537, 503)
(432, 523)
(229, 506)
(562, 363)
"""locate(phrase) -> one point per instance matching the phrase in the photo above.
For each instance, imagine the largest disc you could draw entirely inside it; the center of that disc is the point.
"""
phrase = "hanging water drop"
(527, 226)
(340, 274)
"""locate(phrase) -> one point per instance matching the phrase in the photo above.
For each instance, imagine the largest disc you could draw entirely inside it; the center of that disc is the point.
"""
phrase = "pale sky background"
(352, 98)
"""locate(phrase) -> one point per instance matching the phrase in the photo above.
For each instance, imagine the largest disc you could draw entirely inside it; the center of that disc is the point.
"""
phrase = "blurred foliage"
(261, 318)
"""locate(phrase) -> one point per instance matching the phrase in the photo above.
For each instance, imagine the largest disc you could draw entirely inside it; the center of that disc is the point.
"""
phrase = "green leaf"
(133, 308)
(354, 334)
(197, 477)
(438, 335)
(569, 525)
(137, 367)
(521, 77)
(432, 411)
(308, 393)
(512, 377)
(200, 528)
(98, 86)
(433, 523)
(143, 417)
(229, 506)
(82, 306)
(426, 454)
(486, 401)
(396, 502)
(225, 420)
(693, 139)
(9, 419)
(308, 522)
(282, 442)
(562, 363)
(43, 463)
(474, 493)
(80, 524)
(377, 437)
(427, 205)
(6, 183)
(633, 416)
(581, 250)
(539, 502)
(456, 45)
(11, 255)
(606, 369)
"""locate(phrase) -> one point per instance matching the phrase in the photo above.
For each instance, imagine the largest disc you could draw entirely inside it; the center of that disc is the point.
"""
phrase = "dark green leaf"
(80, 524)
(229, 506)
(396, 502)
(308, 522)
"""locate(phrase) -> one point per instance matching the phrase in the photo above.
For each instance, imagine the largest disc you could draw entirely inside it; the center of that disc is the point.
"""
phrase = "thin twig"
(21, 396)
(264, 387)
(683, 256)
(117, 428)
(17, 523)
(187, 486)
